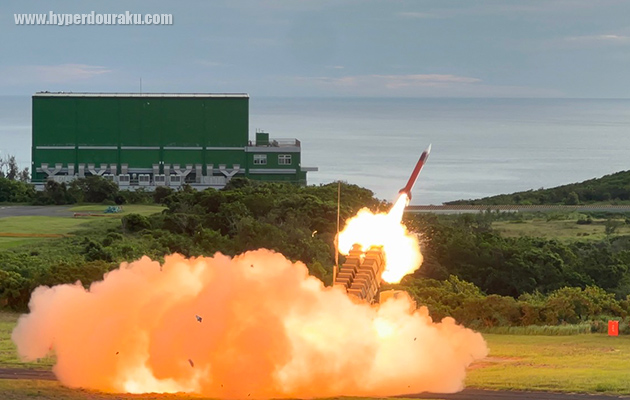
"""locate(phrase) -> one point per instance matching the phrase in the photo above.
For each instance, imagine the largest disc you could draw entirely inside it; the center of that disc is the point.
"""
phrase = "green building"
(144, 140)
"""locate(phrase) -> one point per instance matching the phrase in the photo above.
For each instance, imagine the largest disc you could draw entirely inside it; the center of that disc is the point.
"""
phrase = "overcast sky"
(546, 48)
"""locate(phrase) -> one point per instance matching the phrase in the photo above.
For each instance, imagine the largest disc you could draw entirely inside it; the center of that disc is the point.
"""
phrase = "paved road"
(45, 211)
(466, 394)
(463, 209)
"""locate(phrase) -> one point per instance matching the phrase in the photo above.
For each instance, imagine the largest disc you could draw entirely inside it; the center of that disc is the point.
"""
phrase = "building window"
(284, 159)
(260, 159)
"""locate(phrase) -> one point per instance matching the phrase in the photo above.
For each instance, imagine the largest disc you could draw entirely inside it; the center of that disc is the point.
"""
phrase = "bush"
(135, 223)
(585, 221)
(161, 193)
(138, 196)
(54, 193)
(111, 238)
(93, 189)
(13, 191)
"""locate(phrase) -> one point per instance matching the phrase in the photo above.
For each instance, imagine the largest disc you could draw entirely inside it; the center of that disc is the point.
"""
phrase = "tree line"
(611, 188)
(470, 271)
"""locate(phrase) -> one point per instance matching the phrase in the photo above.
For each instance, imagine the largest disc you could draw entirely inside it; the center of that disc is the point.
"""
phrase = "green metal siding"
(183, 123)
(275, 177)
(54, 122)
(81, 121)
(226, 122)
(227, 157)
(52, 157)
(183, 157)
(131, 115)
(97, 157)
(97, 121)
(141, 131)
(140, 158)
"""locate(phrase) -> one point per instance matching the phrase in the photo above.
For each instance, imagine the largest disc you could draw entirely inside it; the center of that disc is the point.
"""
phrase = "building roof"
(83, 94)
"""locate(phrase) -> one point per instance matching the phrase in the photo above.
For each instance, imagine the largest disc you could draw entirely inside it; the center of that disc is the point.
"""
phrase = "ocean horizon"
(481, 146)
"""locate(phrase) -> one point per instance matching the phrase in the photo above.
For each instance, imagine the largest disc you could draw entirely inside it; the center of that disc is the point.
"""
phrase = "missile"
(416, 171)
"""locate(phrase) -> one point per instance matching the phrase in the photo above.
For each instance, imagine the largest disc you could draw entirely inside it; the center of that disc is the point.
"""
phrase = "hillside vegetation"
(471, 271)
(609, 188)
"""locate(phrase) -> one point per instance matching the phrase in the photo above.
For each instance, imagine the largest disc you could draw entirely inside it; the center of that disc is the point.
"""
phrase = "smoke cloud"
(255, 326)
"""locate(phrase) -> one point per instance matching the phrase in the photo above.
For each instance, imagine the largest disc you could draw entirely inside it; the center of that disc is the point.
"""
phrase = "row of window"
(261, 159)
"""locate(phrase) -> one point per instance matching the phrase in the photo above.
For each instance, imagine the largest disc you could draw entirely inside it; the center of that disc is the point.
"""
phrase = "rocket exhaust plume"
(401, 248)
(219, 327)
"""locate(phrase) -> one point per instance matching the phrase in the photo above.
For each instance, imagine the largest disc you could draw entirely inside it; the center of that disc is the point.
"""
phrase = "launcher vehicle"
(360, 275)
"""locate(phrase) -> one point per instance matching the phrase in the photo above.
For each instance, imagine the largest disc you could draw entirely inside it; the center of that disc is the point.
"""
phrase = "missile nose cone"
(428, 150)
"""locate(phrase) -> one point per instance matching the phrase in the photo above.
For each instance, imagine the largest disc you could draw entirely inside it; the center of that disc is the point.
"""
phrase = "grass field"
(8, 242)
(39, 224)
(143, 209)
(593, 363)
(61, 225)
(579, 363)
(8, 353)
(559, 229)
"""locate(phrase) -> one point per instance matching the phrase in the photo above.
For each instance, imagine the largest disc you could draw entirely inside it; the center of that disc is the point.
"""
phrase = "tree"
(24, 175)
(93, 189)
(9, 169)
(15, 191)
(161, 193)
(54, 193)
(572, 199)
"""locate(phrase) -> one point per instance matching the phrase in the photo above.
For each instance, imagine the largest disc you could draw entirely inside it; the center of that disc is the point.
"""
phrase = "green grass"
(8, 242)
(143, 209)
(62, 225)
(8, 352)
(39, 224)
(553, 330)
(558, 229)
(580, 363)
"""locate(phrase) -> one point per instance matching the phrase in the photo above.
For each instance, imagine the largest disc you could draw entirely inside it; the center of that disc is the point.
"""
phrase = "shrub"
(585, 221)
(54, 193)
(111, 238)
(138, 196)
(135, 223)
(93, 189)
(161, 193)
(15, 191)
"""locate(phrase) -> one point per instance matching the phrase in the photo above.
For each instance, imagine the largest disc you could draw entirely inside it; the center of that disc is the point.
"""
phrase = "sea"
(480, 147)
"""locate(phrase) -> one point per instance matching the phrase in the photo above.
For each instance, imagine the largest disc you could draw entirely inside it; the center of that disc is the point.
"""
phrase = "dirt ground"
(19, 373)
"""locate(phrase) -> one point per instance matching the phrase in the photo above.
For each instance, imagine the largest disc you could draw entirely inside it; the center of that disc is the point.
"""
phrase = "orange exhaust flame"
(256, 326)
(402, 252)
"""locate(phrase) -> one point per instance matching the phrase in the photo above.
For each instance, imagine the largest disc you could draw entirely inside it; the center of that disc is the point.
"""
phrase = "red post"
(613, 328)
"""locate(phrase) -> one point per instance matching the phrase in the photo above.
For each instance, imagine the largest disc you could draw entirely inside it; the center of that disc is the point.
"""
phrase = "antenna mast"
(336, 267)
